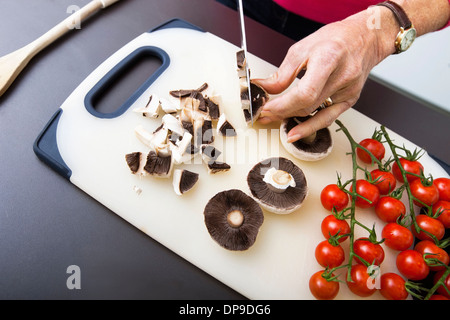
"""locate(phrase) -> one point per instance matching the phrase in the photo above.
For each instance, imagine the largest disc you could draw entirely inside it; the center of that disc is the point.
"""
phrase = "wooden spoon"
(13, 63)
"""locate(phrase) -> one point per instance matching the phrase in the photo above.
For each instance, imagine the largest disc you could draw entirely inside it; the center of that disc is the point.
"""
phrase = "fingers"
(291, 66)
(321, 119)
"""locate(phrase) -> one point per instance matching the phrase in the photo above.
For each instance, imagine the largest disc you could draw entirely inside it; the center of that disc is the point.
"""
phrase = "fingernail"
(293, 138)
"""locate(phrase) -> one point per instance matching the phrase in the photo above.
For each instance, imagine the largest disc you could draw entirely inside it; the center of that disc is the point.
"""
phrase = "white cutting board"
(280, 263)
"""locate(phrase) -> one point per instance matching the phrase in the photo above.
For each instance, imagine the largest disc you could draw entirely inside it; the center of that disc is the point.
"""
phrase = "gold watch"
(407, 33)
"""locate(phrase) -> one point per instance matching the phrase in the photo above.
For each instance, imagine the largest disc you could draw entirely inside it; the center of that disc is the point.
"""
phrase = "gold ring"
(327, 103)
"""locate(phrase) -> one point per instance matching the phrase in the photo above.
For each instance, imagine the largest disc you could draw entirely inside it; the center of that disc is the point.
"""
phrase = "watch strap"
(399, 13)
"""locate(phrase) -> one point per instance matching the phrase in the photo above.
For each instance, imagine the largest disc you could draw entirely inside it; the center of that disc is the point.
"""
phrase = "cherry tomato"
(374, 146)
(389, 209)
(392, 286)
(441, 290)
(427, 246)
(408, 165)
(328, 255)
(411, 265)
(443, 186)
(427, 195)
(431, 225)
(367, 190)
(370, 252)
(444, 208)
(332, 196)
(321, 288)
(360, 280)
(332, 225)
(438, 297)
(384, 180)
(397, 237)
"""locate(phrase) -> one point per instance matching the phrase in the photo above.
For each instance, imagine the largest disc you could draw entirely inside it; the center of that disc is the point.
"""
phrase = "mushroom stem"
(309, 139)
(235, 218)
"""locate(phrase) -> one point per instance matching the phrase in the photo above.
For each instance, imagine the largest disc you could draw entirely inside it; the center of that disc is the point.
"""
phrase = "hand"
(337, 59)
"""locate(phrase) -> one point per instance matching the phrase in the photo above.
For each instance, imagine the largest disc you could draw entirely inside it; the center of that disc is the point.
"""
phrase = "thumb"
(283, 77)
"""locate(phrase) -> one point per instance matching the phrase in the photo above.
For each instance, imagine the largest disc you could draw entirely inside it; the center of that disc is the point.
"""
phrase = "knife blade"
(244, 49)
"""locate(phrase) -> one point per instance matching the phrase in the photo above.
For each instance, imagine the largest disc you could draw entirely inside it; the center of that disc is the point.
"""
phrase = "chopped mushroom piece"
(158, 166)
(278, 185)
(152, 108)
(184, 180)
(186, 93)
(312, 148)
(217, 166)
(224, 127)
(259, 99)
(233, 219)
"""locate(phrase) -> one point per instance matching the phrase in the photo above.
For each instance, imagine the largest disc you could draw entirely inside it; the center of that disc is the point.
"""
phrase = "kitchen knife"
(244, 49)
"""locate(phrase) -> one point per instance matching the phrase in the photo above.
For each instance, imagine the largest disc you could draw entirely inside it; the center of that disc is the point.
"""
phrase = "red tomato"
(427, 195)
(332, 226)
(392, 286)
(370, 252)
(431, 225)
(444, 208)
(441, 290)
(367, 190)
(443, 186)
(438, 297)
(360, 280)
(427, 246)
(385, 181)
(411, 264)
(410, 166)
(321, 288)
(328, 255)
(389, 209)
(374, 146)
(332, 196)
(397, 237)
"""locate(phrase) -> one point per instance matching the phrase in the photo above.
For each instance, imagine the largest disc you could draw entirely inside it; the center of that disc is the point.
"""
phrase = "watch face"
(407, 39)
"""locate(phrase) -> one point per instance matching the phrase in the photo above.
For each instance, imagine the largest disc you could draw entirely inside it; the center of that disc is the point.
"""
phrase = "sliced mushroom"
(184, 180)
(157, 165)
(209, 153)
(217, 166)
(134, 161)
(185, 93)
(233, 219)
(312, 148)
(224, 127)
(173, 124)
(278, 185)
(152, 108)
(259, 99)
(213, 105)
(181, 152)
(168, 107)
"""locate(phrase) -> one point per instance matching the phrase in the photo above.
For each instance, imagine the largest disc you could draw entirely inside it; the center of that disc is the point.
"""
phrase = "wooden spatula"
(13, 63)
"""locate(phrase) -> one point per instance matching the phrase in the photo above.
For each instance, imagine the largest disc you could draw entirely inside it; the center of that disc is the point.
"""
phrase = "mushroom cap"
(220, 216)
(320, 147)
(278, 202)
(184, 180)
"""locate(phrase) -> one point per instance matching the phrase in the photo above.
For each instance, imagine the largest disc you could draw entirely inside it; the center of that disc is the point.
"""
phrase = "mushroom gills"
(278, 185)
(158, 166)
(184, 180)
(233, 219)
(311, 148)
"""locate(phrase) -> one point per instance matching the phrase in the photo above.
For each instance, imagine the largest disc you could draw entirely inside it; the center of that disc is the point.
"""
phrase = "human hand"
(337, 59)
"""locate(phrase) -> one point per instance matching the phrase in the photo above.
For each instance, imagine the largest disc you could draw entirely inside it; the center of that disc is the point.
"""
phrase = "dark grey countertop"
(48, 224)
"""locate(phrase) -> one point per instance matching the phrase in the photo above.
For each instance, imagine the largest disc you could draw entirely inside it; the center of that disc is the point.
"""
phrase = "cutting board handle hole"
(120, 87)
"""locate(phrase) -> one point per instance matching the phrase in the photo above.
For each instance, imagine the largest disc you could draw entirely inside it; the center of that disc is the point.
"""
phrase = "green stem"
(440, 282)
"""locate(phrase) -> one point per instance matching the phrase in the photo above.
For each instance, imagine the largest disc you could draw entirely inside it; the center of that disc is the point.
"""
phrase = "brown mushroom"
(312, 148)
(233, 219)
(278, 185)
